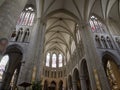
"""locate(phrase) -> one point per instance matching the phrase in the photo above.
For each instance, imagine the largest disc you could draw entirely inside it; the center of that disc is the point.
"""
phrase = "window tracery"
(26, 17)
(96, 25)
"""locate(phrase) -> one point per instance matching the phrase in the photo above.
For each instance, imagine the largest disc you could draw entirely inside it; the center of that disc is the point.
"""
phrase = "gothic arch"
(109, 55)
(84, 75)
(45, 85)
(26, 35)
(111, 67)
(14, 47)
(15, 56)
(60, 85)
(52, 85)
(76, 79)
(70, 82)
(98, 42)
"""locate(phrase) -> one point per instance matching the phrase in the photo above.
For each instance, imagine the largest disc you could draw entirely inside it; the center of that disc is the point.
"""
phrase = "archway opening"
(45, 85)
(85, 75)
(52, 85)
(12, 68)
(70, 82)
(61, 85)
(76, 80)
(112, 71)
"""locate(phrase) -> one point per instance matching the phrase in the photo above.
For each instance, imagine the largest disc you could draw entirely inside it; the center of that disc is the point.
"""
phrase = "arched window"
(104, 42)
(117, 41)
(96, 25)
(48, 59)
(109, 43)
(31, 19)
(54, 59)
(73, 46)
(19, 35)
(3, 64)
(64, 62)
(20, 19)
(97, 39)
(26, 17)
(78, 37)
(60, 60)
(26, 36)
(13, 36)
(68, 56)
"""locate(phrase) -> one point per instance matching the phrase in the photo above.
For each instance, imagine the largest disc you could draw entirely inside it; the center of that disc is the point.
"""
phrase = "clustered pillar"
(91, 60)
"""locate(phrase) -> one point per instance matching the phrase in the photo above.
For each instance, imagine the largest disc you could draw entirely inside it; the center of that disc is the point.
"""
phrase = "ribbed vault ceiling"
(60, 27)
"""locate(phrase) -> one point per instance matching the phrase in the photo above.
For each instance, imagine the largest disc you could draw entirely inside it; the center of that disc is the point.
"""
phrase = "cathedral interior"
(60, 44)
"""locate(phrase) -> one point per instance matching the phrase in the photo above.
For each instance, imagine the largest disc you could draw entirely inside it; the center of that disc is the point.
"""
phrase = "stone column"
(83, 82)
(9, 13)
(40, 42)
(39, 52)
(92, 58)
(50, 60)
(57, 61)
(30, 55)
(74, 84)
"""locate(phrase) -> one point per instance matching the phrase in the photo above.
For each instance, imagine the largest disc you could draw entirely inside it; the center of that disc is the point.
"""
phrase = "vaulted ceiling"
(83, 8)
(60, 26)
(59, 30)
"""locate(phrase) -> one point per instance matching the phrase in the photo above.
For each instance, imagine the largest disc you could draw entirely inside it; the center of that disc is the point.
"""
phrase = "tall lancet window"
(3, 64)
(48, 59)
(54, 60)
(60, 60)
(26, 17)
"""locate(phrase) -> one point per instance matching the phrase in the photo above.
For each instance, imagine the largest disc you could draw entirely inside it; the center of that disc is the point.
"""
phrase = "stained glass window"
(3, 64)
(48, 59)
(96, 25)
(60, 60)
(54, 59)
(26, 17)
